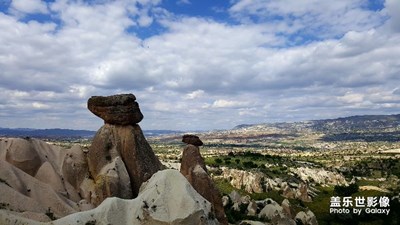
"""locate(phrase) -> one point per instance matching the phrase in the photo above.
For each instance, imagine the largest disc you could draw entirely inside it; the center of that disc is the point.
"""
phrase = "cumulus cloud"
(194, 94)
(199, 73)
(393, 8)
(321, 19)
(31, 6)
(222, 103)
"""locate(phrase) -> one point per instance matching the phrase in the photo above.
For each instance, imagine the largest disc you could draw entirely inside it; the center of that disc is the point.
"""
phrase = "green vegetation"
(345, 190)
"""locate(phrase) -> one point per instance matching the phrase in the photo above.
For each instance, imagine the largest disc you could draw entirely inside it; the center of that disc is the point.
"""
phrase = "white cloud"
(222, 103)
(393, 8)
(30, 6)
(194, 94)
(39, 105)
(183, 2)
(312, 17)
(198, 69)
(352, 98)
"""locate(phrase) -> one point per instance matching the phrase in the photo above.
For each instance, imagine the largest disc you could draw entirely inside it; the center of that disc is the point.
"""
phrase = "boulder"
(225, 200)
(113, 180)
(252, 208)
(192, 140)
(194, 169)
(235, 196)
(116, 109)
(271, 210)
(128, 143)
(287, 208)
(306, 218)
(74, 166)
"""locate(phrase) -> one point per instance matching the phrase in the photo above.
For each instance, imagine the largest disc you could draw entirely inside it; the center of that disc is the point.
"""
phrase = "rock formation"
(32, 179)
(38, 179)
(194, 169)
(268, 209)
(120, 137)
(166, 198)
(40, 182)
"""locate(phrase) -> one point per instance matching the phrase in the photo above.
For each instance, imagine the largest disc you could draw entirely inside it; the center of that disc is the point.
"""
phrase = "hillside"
(369, 128)
(339, 125)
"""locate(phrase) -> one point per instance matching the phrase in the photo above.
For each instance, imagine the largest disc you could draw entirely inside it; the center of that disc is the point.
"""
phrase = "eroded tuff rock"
(192, 140)
(22, 155)
(270, 210)
(128, 143)
(194, 169)
(166, 198)
(116, 109)
(32, 186)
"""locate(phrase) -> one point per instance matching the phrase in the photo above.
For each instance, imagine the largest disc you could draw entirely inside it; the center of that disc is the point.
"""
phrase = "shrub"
(346, 190)
(218, 160)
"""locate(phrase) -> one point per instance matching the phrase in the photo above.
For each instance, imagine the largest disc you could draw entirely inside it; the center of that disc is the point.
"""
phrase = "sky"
(198, 65)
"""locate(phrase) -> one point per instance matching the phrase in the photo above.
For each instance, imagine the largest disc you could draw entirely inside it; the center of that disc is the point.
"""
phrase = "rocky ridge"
(257, 182)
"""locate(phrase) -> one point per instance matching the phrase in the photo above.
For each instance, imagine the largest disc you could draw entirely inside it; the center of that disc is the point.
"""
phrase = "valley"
(275, 160)
(303, 165)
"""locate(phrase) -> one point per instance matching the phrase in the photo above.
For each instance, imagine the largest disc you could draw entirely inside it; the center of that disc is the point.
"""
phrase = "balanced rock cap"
(119, 109)
(192, 140)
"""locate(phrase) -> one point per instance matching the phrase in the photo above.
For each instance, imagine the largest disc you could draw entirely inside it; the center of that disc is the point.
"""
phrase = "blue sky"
(198, 65)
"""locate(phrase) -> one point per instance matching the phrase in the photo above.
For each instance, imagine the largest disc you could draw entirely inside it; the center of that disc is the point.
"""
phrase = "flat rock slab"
(119, 109)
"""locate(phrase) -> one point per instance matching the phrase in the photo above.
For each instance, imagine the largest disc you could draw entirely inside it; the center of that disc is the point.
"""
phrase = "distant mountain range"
(368, 127)
(58, 133)
(366, 123)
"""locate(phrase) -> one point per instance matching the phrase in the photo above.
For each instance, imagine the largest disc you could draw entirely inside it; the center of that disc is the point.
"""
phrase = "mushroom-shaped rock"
(192, 140)
(194, 169)
(119, 109)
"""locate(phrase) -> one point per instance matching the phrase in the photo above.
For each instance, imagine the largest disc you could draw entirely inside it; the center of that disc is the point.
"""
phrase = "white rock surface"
(166, 198)
(319, 175)
(271, 211)
(307, 218)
